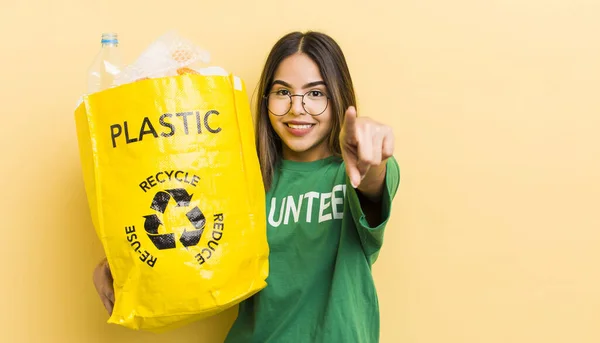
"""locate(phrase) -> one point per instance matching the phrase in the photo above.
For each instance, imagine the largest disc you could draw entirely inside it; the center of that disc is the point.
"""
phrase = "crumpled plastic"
(169, 55)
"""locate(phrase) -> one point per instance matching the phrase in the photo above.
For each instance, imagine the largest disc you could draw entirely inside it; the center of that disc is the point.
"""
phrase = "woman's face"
(304, 136)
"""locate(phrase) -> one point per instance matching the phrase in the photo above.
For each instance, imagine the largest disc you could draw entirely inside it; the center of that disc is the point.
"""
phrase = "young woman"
(330, 178)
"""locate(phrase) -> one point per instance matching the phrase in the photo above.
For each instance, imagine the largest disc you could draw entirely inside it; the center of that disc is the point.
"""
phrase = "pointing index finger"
(350, 120)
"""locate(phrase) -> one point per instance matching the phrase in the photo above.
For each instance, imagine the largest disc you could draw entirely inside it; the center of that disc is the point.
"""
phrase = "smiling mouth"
(299, 126)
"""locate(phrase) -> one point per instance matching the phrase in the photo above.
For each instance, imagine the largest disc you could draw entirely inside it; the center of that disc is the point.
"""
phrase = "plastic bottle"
(106, 66)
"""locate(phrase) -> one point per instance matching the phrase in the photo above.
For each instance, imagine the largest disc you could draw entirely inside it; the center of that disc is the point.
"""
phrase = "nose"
(297, 106)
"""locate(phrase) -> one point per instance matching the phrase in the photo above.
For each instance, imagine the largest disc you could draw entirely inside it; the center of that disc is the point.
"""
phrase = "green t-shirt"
(320, 287)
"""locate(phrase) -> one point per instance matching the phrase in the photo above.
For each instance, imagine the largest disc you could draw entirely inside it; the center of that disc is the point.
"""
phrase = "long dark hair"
(328, 56)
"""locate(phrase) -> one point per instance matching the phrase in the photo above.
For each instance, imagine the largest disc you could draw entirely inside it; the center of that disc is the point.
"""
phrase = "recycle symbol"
(167, 240)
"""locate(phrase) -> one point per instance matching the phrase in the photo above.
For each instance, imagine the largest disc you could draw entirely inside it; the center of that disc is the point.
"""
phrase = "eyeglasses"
(280, 102)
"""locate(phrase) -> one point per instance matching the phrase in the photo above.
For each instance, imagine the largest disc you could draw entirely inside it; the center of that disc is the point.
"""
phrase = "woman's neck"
(305, 156)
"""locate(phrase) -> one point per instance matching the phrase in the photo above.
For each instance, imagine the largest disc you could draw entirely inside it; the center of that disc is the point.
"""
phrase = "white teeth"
(294, 126)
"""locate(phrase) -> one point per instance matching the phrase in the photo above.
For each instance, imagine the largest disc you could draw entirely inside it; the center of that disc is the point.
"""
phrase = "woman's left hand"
(366, 145)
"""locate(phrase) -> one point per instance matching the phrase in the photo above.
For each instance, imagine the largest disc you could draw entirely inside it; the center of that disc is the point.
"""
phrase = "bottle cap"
(110, 38)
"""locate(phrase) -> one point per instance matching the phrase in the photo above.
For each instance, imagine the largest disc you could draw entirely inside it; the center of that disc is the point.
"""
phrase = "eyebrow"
(308, 85)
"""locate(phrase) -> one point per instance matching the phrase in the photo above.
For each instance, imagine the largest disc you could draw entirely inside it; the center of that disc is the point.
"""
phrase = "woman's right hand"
(103, 281)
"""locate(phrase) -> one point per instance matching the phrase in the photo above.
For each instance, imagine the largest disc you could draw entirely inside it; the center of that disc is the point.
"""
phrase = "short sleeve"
(372, 237)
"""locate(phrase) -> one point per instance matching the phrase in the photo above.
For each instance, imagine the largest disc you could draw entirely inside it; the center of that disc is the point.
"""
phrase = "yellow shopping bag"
(176, 196)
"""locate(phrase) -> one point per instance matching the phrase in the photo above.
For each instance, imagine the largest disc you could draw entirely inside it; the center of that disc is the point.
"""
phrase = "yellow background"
(495, 105)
